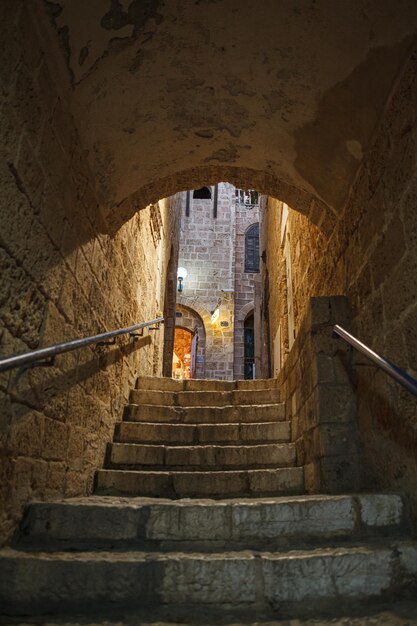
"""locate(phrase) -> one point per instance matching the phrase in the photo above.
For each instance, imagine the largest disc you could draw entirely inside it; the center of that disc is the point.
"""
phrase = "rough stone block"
(25, 434)
(339, 474)
(219, 432)
(159, 384)
(133, 432)
(301, 517)
(312, 478)
(268, 431)
(135, 454)
(335, 439)
(355, 573)
(219, 579)
(133, 483)
(275, 481)
(72, 581)
(210, 483)
(55, 440)
(335, 403)
(379, 510)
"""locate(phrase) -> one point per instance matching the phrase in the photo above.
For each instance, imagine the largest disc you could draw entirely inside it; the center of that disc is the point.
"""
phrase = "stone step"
(204, 398)
(251, 582)
(202, 456)
(204, 414)
(183, 484)
(270, 523)
(135, 432)
(169, 384)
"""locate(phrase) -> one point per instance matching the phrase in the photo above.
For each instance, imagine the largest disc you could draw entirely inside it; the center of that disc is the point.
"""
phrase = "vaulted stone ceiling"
(288, 93)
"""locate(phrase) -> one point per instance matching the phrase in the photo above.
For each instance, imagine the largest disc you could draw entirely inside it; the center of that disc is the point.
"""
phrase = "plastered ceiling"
(286, 92)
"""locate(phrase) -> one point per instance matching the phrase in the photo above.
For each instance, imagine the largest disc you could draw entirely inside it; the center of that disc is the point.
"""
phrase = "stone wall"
(62, 277)
(170, 299)
(207, 253)
(213, 253)
(370, 256)
(318, 387)
(244, 283)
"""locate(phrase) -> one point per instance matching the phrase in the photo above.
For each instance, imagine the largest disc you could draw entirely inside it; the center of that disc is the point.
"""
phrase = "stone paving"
(201, 559)
(402, 614)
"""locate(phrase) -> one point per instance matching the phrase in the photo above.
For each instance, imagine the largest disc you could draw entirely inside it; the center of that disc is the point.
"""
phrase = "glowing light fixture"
(181, 275)
(215, 315)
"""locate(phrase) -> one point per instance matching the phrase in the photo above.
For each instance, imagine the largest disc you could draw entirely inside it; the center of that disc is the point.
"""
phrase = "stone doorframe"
(192, 321)
(238, 339)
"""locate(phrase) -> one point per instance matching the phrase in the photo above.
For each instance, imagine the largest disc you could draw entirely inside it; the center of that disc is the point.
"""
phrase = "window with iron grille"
(247, 197)
(252, 249)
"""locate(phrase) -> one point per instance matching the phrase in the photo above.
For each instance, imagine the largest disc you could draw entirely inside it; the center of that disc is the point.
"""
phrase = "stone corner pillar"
(323, 402)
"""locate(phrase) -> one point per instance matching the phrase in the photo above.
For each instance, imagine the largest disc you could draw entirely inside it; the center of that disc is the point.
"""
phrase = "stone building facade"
(213, 240)
(247, 262)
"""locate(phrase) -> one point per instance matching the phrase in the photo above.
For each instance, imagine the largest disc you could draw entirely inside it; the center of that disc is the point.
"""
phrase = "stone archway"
(217, 340)
(214, 122)
(241, 177)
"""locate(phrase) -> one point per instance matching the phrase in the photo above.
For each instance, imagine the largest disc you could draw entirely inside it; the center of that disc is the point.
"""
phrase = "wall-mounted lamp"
(215, 313)
(181, 275)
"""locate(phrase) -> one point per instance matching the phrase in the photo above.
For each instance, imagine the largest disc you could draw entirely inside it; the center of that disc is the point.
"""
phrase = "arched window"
(202, 194)
(252, 249)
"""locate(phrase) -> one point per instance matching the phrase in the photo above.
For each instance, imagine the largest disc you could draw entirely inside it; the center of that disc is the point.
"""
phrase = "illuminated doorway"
(185, 353)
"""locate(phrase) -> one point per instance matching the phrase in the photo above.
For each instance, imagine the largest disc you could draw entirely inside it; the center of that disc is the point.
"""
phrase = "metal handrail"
(42, 354)
(392, 370)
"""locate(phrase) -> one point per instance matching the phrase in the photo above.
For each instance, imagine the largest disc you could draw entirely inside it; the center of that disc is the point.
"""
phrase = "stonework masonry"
(317, 385)
(371, 257)
(89, 137)
(62, 278)
(207, 253)
(244, 283)
(165, 107)
(212, 250)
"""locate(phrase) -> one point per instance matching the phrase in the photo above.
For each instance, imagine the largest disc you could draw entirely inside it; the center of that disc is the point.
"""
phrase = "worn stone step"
(204, 398)
(179, 484)
(204, 414)
(37, 582)
(261, 383)
(135, 432)
(278, 523)
(169, 384)
(203, 456)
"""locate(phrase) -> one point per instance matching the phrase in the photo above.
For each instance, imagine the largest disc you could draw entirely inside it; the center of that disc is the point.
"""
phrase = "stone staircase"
(192, 520)
(202, 438)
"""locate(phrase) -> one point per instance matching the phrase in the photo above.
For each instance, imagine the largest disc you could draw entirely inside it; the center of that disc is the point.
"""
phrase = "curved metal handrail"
(40, 355)
(392, 370)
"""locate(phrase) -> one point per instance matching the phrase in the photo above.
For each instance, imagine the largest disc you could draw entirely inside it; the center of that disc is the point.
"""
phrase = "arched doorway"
(188, 320)
(185, 353)
(249, 347)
